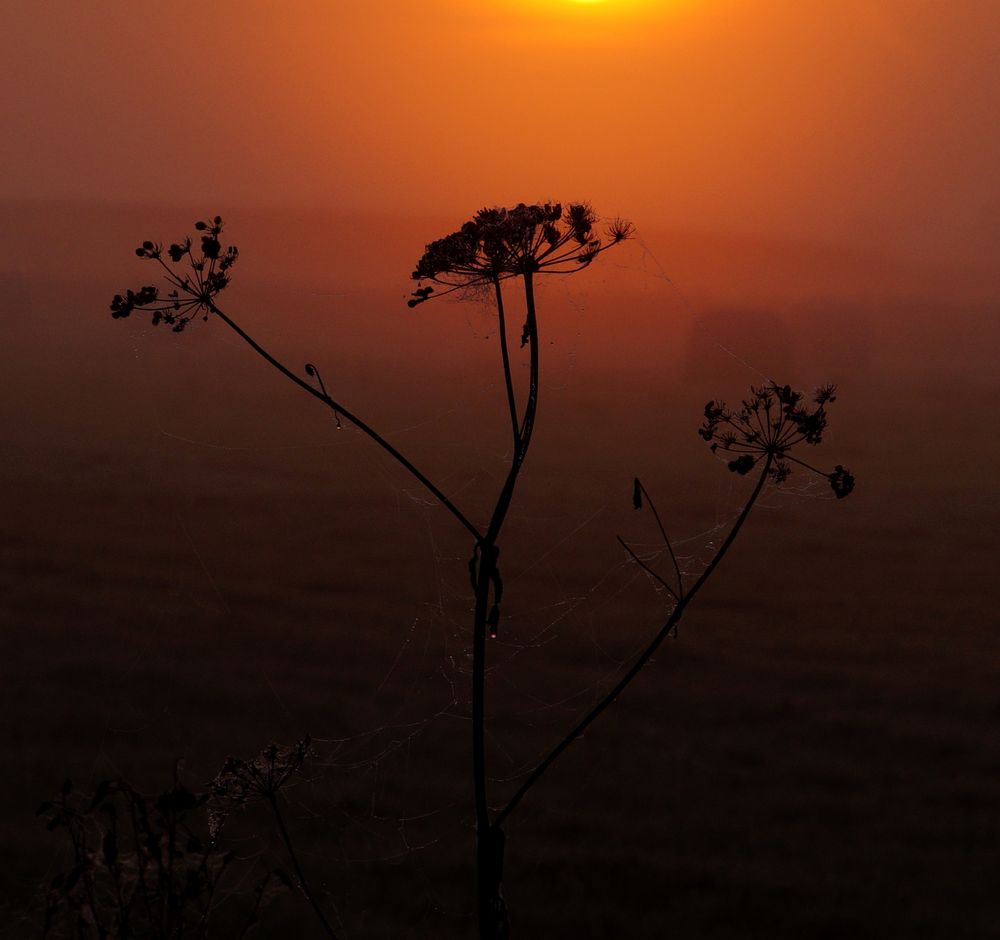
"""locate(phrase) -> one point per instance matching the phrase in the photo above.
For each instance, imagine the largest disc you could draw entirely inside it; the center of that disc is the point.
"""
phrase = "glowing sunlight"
(607, 8)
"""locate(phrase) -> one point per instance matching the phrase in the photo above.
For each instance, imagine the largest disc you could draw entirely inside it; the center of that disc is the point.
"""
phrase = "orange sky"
(857, 121)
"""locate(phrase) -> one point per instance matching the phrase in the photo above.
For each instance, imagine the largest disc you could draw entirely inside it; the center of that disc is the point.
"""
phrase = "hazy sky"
(867, 121)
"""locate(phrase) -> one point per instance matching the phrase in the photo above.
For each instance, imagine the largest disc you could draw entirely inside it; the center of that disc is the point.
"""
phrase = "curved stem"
(531, 324)
(644, 657)
(303, 885)
(338, 408)
(666, 539)
(505, 354)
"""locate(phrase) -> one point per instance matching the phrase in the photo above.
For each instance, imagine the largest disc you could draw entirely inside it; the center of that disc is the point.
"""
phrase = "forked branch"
(193, 294)
(644, 657)
(762, 431)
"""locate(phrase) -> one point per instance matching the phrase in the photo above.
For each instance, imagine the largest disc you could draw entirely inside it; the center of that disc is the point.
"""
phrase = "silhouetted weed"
(242, 782)
(143, 867)
(496, 246)
(767, 425)
(193, 290)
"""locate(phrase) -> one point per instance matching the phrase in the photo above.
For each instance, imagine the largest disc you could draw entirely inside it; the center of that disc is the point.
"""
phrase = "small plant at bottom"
(141, 867)
(243, 782)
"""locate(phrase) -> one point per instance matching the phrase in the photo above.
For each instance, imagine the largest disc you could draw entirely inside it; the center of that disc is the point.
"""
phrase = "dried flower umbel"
(260, 779)
(240, 781)
(497, 244)
(767, 425)
(194, 290)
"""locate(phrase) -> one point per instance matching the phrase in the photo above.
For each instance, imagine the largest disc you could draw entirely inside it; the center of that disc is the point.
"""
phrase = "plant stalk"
(303, 884)
(505, 355)
(492, 910)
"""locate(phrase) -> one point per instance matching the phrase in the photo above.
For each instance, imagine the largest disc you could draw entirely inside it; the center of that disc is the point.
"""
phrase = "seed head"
(245, 781)
(767, 425)
(501, 243)
(193, 292)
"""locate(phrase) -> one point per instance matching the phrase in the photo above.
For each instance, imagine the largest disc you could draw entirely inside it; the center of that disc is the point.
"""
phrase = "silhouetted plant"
(142, 867)
(494, 247)
(242, 782)
(194, 291)
(497, 245)
(768, 424)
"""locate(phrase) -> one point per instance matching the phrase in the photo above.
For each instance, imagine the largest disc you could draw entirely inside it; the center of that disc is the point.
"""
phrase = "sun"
(594, 10)
(620, 5)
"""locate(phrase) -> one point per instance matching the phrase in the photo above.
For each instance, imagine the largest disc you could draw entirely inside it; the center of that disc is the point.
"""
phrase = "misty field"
(196, 562)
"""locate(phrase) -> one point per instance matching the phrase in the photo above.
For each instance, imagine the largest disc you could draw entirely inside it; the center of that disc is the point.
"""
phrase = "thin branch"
(348, 415)
(802, 463)
(303, 884)
(531, 323)
(505, 354)
(644, 657)
(647, 569)
(666, 538)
